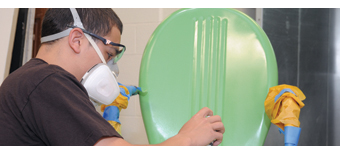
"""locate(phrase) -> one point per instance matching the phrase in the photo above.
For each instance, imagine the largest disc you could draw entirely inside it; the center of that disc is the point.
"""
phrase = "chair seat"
(216, 58)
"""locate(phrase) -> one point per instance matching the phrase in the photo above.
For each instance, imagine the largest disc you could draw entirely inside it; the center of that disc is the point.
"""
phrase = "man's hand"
(202, 130)
(199, 130)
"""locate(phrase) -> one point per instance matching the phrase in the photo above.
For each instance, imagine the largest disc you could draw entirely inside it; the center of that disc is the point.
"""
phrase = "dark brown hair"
(96, 20)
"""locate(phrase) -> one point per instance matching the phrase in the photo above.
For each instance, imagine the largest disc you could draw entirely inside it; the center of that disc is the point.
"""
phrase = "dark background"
(305, 44)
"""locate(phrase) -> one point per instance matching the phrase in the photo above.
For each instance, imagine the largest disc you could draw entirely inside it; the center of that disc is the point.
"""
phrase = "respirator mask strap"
(100, 82)
(113, 66)
(77, 23)
(56, 36)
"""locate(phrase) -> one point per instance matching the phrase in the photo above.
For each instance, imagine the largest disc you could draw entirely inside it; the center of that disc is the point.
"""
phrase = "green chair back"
(216, 58)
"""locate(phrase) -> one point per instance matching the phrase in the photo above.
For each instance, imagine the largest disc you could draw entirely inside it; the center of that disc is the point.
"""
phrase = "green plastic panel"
(218, 58)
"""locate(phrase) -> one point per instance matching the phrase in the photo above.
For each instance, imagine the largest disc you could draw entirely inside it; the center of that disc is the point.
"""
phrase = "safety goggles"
(119, 48)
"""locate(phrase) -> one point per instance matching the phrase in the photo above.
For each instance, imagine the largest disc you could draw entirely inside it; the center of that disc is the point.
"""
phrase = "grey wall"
(308, 56)
(334, 80)
(251, 12)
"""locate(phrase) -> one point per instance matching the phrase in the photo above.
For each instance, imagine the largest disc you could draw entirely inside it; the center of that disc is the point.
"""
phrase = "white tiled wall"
(138, 25)
(7, 34)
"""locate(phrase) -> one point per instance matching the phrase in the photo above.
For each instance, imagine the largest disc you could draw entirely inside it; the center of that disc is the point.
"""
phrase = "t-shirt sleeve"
(60, 113)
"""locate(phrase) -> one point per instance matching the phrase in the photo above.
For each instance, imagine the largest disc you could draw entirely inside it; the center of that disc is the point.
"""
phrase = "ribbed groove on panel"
(209, 64)
(223, 68)
(194, 77)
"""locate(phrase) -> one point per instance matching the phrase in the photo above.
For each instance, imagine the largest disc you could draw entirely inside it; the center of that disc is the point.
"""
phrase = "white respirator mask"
(101, 84)
(100, 81)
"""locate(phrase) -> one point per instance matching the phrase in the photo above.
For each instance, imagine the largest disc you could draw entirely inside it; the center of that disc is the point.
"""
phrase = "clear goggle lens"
(119, 54)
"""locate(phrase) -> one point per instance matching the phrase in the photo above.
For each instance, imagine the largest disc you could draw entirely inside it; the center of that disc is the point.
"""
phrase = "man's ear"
(75, 39)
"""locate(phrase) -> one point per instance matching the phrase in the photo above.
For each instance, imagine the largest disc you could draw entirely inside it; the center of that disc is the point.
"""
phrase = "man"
(45, 103)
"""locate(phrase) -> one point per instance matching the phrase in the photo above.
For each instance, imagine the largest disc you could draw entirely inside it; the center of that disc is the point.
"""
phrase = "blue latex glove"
(292, 135)
(133, 90)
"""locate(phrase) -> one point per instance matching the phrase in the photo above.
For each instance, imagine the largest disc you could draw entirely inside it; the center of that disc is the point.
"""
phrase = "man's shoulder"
(29, 76)
(36, 75)
(36, 70)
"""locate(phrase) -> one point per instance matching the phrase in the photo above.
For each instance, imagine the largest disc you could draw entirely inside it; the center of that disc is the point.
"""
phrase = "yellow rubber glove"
(285, 111)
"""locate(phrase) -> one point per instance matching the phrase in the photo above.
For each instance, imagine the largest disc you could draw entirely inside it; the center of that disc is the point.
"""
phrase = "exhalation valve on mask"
(101, 85)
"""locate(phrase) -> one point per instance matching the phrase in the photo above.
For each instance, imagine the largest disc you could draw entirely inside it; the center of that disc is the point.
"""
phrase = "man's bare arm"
(199, 130)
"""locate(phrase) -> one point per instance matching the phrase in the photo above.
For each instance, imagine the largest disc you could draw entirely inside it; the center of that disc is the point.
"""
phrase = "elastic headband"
(78, 23)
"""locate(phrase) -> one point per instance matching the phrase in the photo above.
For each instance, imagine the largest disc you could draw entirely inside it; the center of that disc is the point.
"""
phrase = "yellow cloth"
(121, 102)
(286, 110)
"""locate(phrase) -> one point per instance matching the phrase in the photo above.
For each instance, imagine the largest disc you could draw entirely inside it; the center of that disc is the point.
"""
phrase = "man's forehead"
(114, 35)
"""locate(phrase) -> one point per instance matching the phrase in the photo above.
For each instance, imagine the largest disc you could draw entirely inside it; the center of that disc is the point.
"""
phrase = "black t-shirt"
(42, 104)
